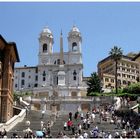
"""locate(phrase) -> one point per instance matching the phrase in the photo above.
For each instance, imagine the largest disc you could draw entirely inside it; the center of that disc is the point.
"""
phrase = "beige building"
(128, 71)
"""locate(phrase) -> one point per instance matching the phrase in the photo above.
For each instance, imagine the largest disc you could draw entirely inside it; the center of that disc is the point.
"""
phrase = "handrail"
(23, 102)
(134, 107)
(13, 121)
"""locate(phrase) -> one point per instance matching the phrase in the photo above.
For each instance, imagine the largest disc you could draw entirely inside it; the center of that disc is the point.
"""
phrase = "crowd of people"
(87, 125)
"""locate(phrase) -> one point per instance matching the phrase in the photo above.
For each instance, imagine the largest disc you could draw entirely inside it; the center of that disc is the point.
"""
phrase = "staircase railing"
(13, 121)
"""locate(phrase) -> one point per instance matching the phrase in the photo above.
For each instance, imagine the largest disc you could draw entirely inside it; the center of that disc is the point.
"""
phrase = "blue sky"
(102, 26)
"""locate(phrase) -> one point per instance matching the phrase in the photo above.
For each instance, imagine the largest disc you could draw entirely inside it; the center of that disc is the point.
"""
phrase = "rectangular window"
(23, 74)
(128, 76)
(118, 74)
(22, 82)
(132, 66)
(74, 78)
(112, 80)
(124, 82)
(106, 79)
(35, 85)
(36, 78)
(44, 78)
(123, 75)
(118, 68)
(36, 70)
(133, 77)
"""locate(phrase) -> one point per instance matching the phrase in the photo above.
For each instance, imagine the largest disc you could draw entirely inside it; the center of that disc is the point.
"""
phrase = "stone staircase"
(35, 123)
(58, 126)
(35, 118)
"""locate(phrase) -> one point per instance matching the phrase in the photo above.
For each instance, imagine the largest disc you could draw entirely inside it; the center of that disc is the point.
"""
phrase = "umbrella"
(39, 133)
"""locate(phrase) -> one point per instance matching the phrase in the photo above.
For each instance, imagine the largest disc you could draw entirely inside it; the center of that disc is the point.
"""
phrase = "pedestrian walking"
(92, 118)
(87, 115)
(76, 115)
(70, 115)
(69, 124)
(88, 123)
(127, 125)
(65, 126)
(82, 115)
(79, 128)
(43, 113)
(73, 129)
(42, 125)
(84, 123)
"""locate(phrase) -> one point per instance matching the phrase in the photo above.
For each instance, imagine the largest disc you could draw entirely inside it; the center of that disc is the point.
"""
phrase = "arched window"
(74, 46)
(74, 75)
(44, 48)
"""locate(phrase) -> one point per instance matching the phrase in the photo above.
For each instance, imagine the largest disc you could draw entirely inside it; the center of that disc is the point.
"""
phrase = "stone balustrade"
(13, 121)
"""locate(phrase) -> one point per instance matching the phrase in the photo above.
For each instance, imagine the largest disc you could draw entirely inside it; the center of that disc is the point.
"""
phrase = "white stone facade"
(48, 77)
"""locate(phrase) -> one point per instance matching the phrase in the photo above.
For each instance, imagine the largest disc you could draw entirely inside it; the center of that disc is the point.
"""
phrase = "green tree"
(132, 89)
(116, 54)
(94, 84)
(16, 96)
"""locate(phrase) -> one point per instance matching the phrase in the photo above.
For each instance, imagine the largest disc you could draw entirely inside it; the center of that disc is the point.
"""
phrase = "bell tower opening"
(74, 40)
(45, 48)
(74, 47)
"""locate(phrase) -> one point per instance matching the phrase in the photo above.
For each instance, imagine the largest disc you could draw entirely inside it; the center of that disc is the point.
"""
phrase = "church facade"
(57, 73)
